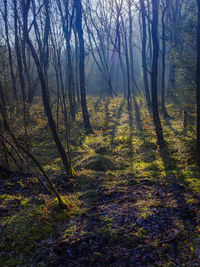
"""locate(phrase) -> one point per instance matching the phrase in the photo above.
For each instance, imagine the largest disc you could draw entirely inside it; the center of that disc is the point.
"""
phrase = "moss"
(190, 177)
(156, 166)
(100, 163)
(23, 230)
(87, 179)
(141, 233)
(73, 207)
(97, 142)
(130, 240)
(91, 197)
(15, 200)
(97, 255)
(107, 221)
(111, 160)
(24, 202)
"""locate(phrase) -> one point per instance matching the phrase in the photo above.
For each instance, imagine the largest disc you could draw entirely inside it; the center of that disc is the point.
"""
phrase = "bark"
(67, 20)
(20, 67)
(163, 61)
(144, 60)
(127, 65)
(174, 21)
(45, 96)
(198, 84)
(9, 51)
(131, 46)
(76, 66)
(86, 119)
(154, 88)
(28, 76)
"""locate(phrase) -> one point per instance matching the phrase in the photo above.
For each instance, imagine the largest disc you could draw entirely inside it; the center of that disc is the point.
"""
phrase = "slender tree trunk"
(150, 55)
(58, 97)
(9, 51)
(173, 16)
(70, 77)
(26, 70)
(86, 119)
(127, 66)
(76, 66)
(20, 67)
(7, 127)
(163, 62)
(67, 20)
(156, 117)
(198, 84)
(144, 60)
(45, 96)
(131, 46)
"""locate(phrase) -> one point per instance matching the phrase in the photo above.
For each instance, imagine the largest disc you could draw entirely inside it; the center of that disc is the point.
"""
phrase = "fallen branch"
(30, 155)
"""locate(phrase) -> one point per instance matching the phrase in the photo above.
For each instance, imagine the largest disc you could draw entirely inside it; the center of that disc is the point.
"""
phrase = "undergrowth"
(110, 164)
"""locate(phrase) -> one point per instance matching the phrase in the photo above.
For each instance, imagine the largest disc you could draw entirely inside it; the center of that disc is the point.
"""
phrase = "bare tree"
(164, 11)
(198, 84)
(144, 54)
(79, 28)
(5, 16)
(154, 85)
(47, 107)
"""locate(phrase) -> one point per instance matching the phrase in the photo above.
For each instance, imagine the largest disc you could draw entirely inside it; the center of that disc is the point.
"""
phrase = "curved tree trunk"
(45, 96)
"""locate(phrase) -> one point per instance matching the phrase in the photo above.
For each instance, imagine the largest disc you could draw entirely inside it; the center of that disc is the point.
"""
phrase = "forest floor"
(128, 204)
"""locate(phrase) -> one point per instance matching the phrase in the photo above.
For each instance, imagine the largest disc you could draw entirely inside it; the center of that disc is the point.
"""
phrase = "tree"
(9, 50)
(164, 10)
(144, 59)
(154, 81)
(67, 23)
(100, 39)
(79, 28)
(45, 96)
(198, 84)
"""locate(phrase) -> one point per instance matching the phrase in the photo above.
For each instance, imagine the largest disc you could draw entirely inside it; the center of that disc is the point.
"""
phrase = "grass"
(32, 227)
(118, 171)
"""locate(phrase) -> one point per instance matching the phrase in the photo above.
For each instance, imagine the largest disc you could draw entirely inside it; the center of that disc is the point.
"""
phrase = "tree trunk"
(163, 62)
(20, 67)
(144, 60)
(70, 77)
(156, 118)
(76, 66)
(45, 96)
(9, 51)
(198, 85)
(86, 119)
(131, 46)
